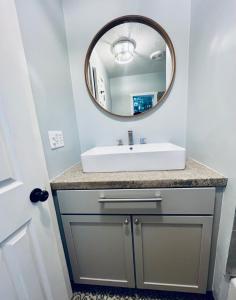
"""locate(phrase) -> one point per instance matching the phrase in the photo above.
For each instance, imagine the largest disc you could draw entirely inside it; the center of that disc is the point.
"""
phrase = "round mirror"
(130, 66)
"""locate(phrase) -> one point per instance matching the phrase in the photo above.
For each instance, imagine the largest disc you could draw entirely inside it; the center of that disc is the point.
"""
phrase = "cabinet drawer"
(146, 201)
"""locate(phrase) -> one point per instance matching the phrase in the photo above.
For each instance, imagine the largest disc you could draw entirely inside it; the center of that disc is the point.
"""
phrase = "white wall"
(122, 87)
(212, 108)
(43, 34)
(83, 19)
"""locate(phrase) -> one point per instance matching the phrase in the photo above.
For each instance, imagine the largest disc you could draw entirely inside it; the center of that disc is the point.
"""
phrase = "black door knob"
(38, 195)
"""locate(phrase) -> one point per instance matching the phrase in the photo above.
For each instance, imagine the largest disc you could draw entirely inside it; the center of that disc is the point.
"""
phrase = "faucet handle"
(119, 142)
(143, 140)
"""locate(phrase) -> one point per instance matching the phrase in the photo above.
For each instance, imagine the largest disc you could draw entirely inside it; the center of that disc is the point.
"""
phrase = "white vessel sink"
(145, 157)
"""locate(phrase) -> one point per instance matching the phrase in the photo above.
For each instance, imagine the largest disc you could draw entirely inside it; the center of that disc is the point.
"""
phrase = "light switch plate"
(56, 139)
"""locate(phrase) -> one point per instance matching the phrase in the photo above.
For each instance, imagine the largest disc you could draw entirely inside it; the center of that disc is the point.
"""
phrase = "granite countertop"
(194, 175)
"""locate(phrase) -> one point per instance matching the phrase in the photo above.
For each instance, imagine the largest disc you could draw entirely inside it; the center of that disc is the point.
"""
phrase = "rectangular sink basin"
(145, 157)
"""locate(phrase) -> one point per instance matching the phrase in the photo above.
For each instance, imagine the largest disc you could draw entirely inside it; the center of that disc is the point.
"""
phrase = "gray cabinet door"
(100, 249)
(172, 252)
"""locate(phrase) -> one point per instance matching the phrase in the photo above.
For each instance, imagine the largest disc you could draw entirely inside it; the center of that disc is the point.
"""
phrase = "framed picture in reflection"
(141, 102)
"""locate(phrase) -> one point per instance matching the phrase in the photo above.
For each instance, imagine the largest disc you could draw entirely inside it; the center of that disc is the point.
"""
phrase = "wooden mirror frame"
(122, 20)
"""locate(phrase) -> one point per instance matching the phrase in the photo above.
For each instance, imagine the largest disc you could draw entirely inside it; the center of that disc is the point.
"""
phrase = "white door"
(31, 258)
(101, 91)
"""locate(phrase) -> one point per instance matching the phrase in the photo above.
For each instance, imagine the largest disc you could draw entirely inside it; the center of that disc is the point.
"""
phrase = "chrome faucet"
(130, 137)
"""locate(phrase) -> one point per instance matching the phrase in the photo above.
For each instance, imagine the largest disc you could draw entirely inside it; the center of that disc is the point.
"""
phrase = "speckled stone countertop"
(194, 175)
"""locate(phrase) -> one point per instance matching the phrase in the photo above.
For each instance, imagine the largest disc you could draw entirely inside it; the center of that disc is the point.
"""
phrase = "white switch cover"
(56, 139)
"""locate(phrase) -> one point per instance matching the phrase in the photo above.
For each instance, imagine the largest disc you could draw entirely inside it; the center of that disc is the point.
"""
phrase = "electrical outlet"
(56, 139)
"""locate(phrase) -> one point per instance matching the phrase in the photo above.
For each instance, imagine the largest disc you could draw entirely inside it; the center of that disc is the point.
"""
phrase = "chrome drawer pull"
(124, 200)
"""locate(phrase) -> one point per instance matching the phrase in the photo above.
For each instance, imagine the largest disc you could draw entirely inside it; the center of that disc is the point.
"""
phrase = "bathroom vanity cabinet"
(149, 238)
(160, 237)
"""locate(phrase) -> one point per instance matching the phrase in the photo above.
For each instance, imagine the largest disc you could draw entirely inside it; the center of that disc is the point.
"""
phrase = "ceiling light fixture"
(123, 50)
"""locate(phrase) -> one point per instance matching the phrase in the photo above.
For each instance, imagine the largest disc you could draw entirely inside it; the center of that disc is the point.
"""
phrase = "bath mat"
(106, 293)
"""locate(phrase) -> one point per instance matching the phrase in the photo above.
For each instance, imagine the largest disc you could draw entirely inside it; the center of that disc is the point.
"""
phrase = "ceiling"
(147, 41)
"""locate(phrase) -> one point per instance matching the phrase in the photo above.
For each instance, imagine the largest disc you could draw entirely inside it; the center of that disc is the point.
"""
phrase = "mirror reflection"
(129, 69)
